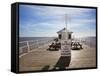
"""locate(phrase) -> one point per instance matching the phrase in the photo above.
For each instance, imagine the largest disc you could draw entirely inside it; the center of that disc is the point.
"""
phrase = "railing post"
(28, 46)
(37, 43)
(20, 51)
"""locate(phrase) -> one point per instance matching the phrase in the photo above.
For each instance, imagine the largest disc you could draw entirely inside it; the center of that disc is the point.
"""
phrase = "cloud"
(46, 21)
(84, 34)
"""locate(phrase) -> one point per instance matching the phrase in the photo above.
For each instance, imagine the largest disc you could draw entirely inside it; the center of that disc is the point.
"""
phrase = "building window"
(69, 36)
(59, 36)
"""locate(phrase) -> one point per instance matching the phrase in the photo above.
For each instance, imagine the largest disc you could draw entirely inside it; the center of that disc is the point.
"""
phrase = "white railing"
(32, 44)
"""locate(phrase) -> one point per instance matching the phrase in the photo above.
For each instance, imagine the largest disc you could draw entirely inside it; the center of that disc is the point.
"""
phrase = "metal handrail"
(35, 44)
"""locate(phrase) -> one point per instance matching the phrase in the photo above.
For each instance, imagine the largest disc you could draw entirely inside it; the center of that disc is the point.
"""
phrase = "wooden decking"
(43, 59)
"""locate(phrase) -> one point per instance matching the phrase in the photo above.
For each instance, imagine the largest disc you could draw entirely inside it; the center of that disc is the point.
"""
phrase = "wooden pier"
(43, 59)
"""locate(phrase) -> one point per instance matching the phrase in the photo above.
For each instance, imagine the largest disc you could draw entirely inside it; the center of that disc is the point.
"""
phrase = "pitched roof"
(64, 30)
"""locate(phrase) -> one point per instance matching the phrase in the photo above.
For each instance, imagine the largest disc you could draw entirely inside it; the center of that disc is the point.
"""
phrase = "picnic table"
(57, 45)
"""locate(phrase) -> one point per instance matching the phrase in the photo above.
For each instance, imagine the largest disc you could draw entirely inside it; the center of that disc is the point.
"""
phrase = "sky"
(45, 21)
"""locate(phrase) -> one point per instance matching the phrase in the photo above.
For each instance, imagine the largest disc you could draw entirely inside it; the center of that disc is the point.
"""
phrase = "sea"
(22, 40)
(90, 41)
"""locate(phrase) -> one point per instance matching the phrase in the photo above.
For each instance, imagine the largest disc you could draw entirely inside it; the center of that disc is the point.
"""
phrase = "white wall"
(5, 38)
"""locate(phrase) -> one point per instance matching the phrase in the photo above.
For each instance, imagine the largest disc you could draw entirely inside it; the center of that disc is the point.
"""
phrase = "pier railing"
(28, 46)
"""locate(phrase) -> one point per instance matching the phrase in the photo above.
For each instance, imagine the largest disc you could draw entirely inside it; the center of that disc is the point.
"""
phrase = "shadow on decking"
(62, 63)
(52, 49)
(46, 67)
